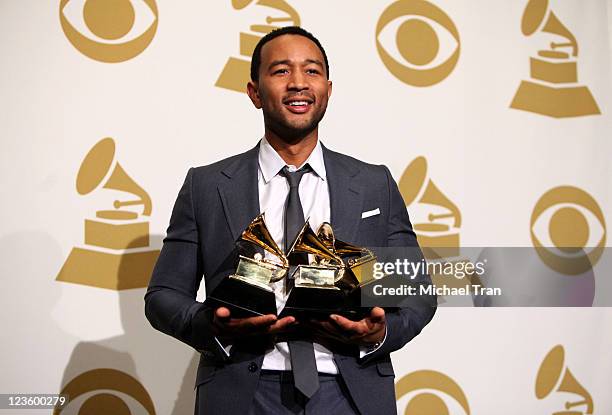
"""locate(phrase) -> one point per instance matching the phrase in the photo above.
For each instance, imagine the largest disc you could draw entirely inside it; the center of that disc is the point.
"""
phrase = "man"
(268, 364)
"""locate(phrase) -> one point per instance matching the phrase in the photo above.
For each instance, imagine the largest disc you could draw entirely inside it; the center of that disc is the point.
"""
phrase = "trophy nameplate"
(247, 292)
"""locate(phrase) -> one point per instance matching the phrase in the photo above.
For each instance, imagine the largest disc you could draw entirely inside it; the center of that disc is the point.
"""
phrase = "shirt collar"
(270, 162)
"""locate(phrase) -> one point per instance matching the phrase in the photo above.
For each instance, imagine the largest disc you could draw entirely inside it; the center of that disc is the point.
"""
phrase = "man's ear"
(253, 92)
(329, 88)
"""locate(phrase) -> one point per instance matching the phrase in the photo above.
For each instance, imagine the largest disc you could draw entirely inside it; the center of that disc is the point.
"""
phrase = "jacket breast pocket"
(370, 217)
(371, 229)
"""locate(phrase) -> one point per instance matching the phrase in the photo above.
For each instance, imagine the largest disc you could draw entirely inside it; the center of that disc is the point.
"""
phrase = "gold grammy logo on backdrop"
(236, 73)
(117, 253)
(570, 238)
(425, 401)
(553, 89)
(554, 377)
(438, 234)
(437, 223)
(417, 42)
(82, 394)
(109, 30)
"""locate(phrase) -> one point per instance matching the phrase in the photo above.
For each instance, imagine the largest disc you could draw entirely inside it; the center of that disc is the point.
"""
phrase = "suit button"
(252, 367)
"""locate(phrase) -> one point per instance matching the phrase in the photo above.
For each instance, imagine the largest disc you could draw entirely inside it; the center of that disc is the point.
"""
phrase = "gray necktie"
(303, 363)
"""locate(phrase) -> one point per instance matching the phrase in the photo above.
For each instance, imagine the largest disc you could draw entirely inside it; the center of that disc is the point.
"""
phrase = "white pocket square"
(369, 213)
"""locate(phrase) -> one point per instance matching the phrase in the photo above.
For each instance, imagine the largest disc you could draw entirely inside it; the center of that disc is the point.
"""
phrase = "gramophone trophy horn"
(437, 236)
(553, 376)
(241, 4)
(258, 234)
(414, 183)
(307, 242)
(536, 12)
(434, 196)
(94, 171)
(247, 291)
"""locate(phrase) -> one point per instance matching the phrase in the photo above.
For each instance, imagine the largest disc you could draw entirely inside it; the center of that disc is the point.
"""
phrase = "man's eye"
(312, 71)
(280, 71)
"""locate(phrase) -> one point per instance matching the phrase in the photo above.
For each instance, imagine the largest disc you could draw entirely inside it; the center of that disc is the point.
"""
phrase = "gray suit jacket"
(214, 206)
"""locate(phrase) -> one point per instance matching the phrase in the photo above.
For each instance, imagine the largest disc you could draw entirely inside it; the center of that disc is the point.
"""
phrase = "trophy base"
(242, 298)
(316, 302)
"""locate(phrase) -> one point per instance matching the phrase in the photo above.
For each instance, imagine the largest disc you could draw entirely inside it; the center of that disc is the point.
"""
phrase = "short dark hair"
(287, 30)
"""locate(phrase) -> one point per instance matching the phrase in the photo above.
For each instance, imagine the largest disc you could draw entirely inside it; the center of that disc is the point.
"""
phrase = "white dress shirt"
(314, 196)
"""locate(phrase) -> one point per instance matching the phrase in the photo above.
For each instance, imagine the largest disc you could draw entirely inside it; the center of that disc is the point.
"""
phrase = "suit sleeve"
(170, 300)
(408, 321)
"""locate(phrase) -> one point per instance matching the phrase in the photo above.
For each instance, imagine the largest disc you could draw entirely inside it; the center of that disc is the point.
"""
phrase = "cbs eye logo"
(90, 393)
(568, 230)
(420, 30)
(429, 392)
(109, 30)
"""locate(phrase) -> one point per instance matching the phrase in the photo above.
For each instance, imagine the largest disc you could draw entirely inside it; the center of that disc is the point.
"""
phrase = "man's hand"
(227, 328)
(365, 332)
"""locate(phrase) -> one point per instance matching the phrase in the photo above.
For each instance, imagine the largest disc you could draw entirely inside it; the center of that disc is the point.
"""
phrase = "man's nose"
(297, 81)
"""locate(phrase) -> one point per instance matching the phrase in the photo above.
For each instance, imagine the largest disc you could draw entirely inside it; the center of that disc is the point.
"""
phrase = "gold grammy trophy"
(236, 73)
(325, 285)
(247, 291)
(552, 89)
(314, 291)
(437, 236)
(553, 376)
(117, 254)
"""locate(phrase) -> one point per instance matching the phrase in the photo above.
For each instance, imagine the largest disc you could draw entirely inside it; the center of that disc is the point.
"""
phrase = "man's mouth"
(298, 105)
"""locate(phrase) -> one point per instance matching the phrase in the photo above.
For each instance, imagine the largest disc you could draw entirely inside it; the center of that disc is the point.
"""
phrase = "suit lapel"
(239, 193)
(345, 196)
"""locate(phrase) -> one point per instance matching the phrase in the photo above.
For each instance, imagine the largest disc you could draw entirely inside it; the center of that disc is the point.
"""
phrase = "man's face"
(293, 89)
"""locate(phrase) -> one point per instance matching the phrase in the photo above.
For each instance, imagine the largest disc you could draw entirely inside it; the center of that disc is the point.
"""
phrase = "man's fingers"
(281, 324)
(220, 320)
(377, 315)
(256, 322)
(343, 322)
(227, 325)
(348, 329)
(357, 327)
(222, 313)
